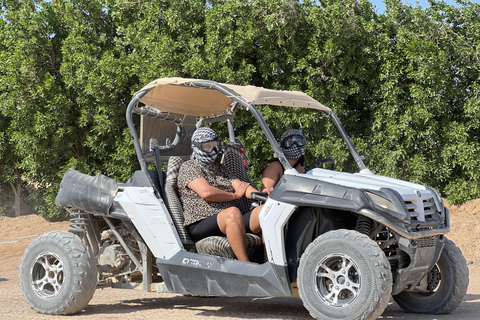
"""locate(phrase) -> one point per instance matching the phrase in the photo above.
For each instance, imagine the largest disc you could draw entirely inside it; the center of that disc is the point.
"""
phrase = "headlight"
(381, 201)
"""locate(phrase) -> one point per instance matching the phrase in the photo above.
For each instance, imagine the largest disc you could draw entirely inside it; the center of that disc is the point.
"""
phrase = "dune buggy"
(344, 243)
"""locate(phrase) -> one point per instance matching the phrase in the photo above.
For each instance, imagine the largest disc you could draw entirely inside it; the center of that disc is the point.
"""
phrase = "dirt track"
(17, 233)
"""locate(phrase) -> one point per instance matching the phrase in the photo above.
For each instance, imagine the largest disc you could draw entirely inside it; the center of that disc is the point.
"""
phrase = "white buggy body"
(344, 243)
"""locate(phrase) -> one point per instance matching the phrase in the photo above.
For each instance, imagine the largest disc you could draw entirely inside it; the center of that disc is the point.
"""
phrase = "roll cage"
(217, 102)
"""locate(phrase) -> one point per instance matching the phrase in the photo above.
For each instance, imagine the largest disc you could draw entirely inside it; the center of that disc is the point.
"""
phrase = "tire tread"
(443, 304)
(382, 274)
(83, 279)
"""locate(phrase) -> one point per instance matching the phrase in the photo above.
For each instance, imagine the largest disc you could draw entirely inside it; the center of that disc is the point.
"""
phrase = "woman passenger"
(293, 147)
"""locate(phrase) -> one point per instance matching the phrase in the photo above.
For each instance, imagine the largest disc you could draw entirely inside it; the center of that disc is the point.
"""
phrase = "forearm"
(217, 195)
(211, 193)
(250, 189)
(268, 185)
(271, 175)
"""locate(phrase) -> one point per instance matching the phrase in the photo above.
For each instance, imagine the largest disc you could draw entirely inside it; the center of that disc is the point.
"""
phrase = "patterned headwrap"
(294, 151)
(200, 135)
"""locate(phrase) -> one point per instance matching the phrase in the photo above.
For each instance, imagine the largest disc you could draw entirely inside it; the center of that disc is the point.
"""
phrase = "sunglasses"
(208, 146)
(295, 139)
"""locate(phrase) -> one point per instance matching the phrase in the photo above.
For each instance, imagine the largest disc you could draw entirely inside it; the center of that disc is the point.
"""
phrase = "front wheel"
(447, 285)
(344, 275)
(58, 273)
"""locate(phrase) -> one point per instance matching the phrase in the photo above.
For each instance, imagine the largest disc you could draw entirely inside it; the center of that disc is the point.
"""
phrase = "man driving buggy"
(207, 191)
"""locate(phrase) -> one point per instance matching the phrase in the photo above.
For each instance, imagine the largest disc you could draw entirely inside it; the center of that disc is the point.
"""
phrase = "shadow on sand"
(260, 308)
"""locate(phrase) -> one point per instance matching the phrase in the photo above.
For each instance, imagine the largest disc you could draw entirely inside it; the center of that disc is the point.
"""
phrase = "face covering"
(294, 151)
(200, 136)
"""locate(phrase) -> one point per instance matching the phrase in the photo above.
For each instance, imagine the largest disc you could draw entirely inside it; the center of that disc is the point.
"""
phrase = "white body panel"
(370, 181)
(416, 196)
(149, 215)
(273, 218)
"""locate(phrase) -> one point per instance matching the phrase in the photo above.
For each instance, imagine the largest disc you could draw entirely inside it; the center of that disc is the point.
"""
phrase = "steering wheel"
(321, 162)
(262, 196)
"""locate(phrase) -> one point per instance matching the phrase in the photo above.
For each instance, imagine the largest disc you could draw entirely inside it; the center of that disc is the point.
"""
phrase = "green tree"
(63, 91)
(404, 83)
(10, 173)
(424, 129)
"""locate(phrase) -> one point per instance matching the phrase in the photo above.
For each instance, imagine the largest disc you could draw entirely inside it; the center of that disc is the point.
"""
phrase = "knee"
(233, 214)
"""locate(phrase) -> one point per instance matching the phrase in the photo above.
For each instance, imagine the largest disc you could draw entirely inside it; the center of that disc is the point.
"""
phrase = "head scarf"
(294, 151)
(203, 135)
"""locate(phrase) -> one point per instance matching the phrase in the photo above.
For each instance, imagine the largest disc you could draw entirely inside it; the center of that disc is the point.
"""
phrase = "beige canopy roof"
(179, 95)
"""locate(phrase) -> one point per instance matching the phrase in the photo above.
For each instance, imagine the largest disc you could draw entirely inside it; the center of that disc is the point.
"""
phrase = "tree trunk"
(17, 191)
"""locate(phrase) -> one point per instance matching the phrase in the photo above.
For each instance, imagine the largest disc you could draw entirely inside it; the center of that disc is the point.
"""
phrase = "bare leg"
(255, 227)
(254, 222)
(230, 222)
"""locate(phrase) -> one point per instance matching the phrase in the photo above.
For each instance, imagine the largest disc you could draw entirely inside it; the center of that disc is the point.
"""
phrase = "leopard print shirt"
(196, 208)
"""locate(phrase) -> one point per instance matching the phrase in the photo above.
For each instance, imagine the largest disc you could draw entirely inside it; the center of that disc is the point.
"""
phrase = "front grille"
(425, 242)
(428, 208)
(420, 209)
(411, 207)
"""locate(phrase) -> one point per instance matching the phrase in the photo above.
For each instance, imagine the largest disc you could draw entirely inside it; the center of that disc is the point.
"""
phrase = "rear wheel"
(58, 273)
(344, 275)
(447, 285)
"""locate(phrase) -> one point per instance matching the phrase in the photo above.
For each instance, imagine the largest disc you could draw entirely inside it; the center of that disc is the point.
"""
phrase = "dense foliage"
(405, 83)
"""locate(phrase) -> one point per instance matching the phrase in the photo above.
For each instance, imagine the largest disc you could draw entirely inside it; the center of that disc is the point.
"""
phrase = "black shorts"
(209, 227)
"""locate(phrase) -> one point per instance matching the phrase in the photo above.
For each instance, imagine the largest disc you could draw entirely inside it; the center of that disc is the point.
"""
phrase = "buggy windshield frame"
(175, 98)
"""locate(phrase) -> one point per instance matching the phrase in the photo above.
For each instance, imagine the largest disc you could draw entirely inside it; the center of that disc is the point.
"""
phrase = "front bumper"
(423, 254)
(402, 230)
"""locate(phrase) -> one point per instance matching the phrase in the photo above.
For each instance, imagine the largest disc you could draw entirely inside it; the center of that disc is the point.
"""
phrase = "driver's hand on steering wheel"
(268, 190)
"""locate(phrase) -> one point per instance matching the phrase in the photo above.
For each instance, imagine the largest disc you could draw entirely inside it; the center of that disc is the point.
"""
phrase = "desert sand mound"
(13, 228)
(19, 232)
(465, 229)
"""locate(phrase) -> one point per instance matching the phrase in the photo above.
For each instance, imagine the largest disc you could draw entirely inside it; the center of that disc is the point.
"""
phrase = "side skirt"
(192, 273)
